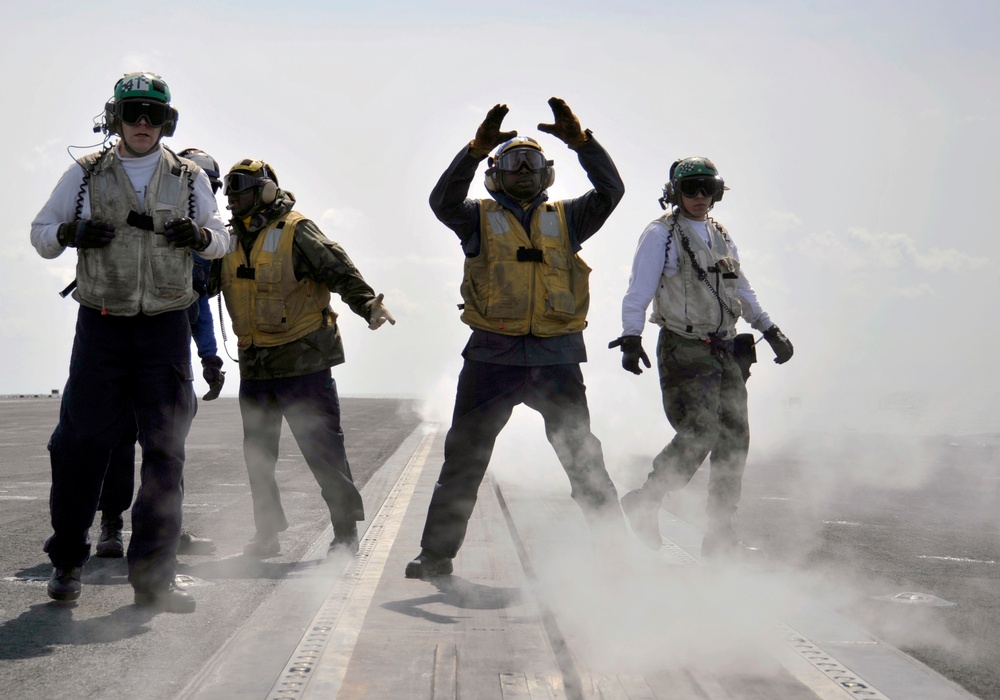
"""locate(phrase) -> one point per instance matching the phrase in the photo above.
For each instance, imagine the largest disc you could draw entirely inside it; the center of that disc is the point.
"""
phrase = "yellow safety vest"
(266, 303)
(546, 297)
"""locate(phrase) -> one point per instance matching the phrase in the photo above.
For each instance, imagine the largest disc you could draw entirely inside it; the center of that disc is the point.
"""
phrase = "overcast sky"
(859, 140)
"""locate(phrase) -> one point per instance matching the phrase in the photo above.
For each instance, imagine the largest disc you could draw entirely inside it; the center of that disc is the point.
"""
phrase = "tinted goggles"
(131, 111)
(513, 160)
(691, 186)
(240, 182)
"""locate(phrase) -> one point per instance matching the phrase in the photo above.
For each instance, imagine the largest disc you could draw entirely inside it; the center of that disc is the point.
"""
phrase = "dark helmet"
(206, 163)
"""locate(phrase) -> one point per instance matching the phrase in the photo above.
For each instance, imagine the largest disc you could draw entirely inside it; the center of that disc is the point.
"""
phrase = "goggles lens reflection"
(691, 186)
(240, 182)
(131, 111)
(513, 160)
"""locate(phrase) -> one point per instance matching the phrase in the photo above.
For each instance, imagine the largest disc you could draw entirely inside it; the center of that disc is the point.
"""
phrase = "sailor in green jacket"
(276, 281)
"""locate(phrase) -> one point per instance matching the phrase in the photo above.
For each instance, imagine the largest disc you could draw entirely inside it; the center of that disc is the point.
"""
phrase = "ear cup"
(268, 191)
(548, 177)
(669, 193)
(110, 123)
(170, 125)
(492, 181)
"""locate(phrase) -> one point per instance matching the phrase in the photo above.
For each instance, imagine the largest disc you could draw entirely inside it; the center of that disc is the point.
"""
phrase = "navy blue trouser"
(119, 481)
(311, 406)
(486, 396)
(124, 371)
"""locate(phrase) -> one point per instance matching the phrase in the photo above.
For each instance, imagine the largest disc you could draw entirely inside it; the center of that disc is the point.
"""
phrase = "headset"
(672, 197)
(269, 184)
(493, 183)
(112, 125)
(265, 173)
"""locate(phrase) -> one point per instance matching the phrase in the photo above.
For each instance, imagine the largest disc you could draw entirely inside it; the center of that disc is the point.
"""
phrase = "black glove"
(781, 345)
(184, 233)
(488, 135)
(213, 374)
(632, 352)
(85, 234)
(566, 127)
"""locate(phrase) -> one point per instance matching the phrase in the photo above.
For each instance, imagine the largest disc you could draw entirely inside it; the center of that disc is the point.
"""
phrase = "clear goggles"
(240, 182)
(513, 160)
(709, 186)
(131, 111)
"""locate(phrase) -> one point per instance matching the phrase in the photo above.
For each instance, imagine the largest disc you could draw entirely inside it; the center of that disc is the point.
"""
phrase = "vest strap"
(137, 220)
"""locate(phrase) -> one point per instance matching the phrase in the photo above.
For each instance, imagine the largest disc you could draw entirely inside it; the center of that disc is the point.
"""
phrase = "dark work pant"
(311, 406)
(487, 394)
(124, 371)
(119, 480)
(705, 399)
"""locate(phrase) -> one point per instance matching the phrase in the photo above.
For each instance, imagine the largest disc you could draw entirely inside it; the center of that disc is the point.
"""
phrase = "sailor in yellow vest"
(526, 296)
(276, 281)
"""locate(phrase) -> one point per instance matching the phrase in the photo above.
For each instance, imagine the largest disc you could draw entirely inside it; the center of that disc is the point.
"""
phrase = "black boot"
(65, 583)
(643, 513)
(428, 565)
(262, 546)
(722, 542)
(345, 538)
(213, 374)
(111, 545)
(192, 544)
(170, 599)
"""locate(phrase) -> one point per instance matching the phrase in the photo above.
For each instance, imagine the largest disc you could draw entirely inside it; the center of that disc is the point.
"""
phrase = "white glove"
(379, 314)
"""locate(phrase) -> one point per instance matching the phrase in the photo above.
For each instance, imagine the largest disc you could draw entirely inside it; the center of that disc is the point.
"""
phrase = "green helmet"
(692, 167)
(142, 85)
(141, 94)
(699, 173)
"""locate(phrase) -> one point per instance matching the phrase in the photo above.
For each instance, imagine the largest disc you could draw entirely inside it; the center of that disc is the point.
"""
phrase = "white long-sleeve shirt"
(61, 206)
(653, 258)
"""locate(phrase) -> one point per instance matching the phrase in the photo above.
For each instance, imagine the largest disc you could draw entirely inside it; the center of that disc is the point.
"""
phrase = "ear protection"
(269, 184)
(112, 126)
(670, 194)
(259, 169)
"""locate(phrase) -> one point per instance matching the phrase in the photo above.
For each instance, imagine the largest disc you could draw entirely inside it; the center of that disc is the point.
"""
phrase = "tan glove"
(566, 127)
(488, 135)
(378, 314)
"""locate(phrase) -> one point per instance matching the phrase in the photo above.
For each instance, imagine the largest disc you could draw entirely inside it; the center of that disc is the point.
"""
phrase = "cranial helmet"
(688, 176)
(512, 155)
(206, 163)
(138, 95)
(249, 173)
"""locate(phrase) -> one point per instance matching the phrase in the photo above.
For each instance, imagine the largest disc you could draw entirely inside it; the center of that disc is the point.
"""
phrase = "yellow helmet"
(249, 173)
(512, 155)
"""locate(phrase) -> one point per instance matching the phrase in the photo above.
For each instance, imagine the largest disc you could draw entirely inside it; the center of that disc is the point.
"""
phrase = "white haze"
(859, 141)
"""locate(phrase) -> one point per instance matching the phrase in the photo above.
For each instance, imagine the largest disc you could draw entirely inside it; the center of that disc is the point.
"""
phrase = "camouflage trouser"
(705, 399)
